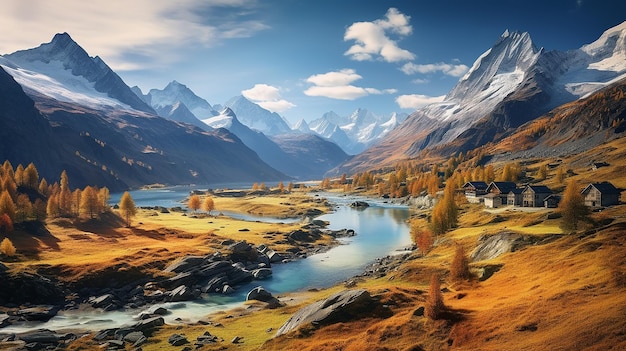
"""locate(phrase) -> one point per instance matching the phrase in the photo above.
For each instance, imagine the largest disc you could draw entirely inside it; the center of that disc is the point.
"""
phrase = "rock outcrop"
(342, 306)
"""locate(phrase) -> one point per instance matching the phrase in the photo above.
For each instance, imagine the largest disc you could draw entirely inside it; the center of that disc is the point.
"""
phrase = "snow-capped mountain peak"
(62, 70)
(302, 127)
(609, 51)
(509, 58)
(177, 92)
(256, 117)
(356, 132)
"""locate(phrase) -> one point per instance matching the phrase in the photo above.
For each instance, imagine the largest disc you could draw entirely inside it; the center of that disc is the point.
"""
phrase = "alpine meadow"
(366, 176)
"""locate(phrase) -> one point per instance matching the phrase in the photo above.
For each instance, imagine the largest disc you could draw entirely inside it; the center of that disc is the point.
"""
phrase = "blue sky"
(303, 58)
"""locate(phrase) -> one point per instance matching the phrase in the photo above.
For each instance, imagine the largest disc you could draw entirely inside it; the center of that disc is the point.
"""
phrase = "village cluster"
(499, 194)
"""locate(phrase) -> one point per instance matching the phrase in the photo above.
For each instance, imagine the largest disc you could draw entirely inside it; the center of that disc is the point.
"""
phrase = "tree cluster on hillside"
(24, 197)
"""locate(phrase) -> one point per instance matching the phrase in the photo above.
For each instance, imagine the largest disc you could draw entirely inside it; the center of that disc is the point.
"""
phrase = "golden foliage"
(422, 237)
(7, 248)
(572, 207)
(434, 307)
(127, 207)
(459, 270)
(194, 202)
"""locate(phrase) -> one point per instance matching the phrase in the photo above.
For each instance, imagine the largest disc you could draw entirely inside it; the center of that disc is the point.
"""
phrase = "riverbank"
(103, 264)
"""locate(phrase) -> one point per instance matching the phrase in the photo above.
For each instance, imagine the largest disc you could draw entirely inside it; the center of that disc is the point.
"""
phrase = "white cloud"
(415, 101)
(340, 92)
(420, 81)
(125, 33)
(372, 39)
(337, 85)
(268, 97)
(341, 77)
(445, 68)
(262, 92)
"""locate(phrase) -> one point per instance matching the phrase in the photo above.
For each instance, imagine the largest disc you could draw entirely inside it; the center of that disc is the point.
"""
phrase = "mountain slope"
(571, 128)
(175, 93)
(256, 117)
(510, 84)
(100, 139)
(279, 153)
(311, 153)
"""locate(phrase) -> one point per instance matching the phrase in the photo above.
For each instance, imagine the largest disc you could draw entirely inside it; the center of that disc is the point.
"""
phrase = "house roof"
(475, 185)
(603, 188)
(516, 191)
(556, 197)
(503, 187)
(540, 189)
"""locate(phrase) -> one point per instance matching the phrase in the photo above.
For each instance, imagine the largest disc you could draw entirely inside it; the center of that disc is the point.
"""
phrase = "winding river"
(381, 230)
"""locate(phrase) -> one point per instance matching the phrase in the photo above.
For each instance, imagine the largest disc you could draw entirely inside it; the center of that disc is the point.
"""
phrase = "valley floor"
(554, 291)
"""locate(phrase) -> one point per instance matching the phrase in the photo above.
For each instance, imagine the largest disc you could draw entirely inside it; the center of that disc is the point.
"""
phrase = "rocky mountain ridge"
(88, 122)
(509, 85)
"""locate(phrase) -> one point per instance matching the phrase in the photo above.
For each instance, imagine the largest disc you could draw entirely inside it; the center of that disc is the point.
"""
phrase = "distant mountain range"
(65, 110)
(509, 85)
(264, 131)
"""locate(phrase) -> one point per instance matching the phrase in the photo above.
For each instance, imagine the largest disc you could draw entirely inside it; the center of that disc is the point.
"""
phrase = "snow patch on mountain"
(53, 80)
(223, 120)
(596, 65)
(176, 92)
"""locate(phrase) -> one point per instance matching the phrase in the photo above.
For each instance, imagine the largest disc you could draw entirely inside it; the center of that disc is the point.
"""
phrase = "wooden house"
(498, 192)
(533, 195)
(515, 197)
(474, 191)
(552, 201)
(492, 200)
(475, 188)
(601, 194)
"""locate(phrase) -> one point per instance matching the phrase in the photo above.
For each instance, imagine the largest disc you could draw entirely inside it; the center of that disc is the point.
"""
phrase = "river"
(381, 230)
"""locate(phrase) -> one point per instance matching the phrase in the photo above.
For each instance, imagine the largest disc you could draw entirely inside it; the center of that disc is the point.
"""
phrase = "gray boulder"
(136, 338)
(181, 293)
(177, 340)
(359, 204)
(42, 336)
(261, 273)
(205, 339)
(260, 294)
(342, 306)
(4, 320)
(148, 325)
(102, 301)
(185, 264)
(38, 313)
(227, 289)
(274, 256)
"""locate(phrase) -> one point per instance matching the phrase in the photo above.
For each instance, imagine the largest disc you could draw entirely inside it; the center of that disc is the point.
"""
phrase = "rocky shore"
(188, 278)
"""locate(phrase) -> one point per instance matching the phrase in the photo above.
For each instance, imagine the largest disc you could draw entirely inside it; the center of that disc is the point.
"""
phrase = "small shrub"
(7, 248)
(434, 304)
(424, 240)
(460, 265)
